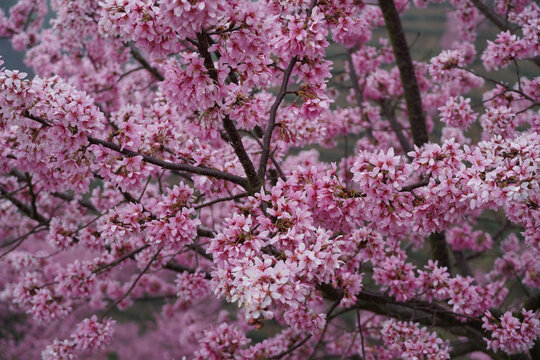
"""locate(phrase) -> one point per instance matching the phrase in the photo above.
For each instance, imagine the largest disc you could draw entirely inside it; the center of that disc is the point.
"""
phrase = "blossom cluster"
(415, 342)
(164, 159)
(510, 334)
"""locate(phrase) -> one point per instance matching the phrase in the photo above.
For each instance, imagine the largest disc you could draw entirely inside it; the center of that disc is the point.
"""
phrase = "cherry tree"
(162, 197)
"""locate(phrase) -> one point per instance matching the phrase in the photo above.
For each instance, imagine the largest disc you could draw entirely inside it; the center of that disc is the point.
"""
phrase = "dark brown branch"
(460, 348)
(201, 251)
(463, 263)
(233, 197)
(291, 349)
(405, 65)
(8, 242)
(25, 209)
(19, 240)
(506, 87)
(533, 302)
(421, 311)
(485, 10)
(396, 127)
(33, 197)
(439, 249)
(152, 70)
(110, 87)
(490, 15)
(272, 118)
(119, 260)
(253, 181)
(200, 170)
(205, 233)
(413, 100)
(321, 337)
(179, 268)
(415, 185)
(84, 203)
(271, 155)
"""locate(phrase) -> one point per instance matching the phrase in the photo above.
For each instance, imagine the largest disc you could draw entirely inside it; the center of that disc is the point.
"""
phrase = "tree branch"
(396, 127)
(405, 65)
(439, 249)
(232, 197)
(200, 170)
(145, 64)
(179, 268)
(357, 91)
(132, 285)
(25, 209)
(272, 118)
(253, 181)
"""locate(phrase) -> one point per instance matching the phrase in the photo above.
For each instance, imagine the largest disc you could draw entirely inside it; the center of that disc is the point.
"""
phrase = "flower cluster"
(225, 341)
(457, 113)
(174, 225)
(510, 334)
(165, 159)
(408, 341)
(90, 335)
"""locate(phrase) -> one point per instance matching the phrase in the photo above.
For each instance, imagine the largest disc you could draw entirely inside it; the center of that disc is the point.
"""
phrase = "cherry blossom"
(204, 179)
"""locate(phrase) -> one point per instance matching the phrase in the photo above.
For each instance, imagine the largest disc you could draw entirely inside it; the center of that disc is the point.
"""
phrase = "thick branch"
(533, 302)
(463, 264)
(423, 312)
(462, 348)
(411, 91)
(415, 185)
(413, 100)
(439, 249)
(490, 15)
(170, 165)
(205, 233)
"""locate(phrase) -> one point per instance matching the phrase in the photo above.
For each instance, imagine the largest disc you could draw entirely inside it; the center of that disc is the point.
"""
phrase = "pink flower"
(457, 113)
(408, 341)
(509, 334)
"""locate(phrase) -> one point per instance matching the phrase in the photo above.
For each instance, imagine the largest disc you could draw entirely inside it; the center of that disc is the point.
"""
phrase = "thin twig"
(232, 197)
(101, 269)
(132, 285)
(272, 118)
(291, 349)
(328, 313)
(358, 93)
(361, 333)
